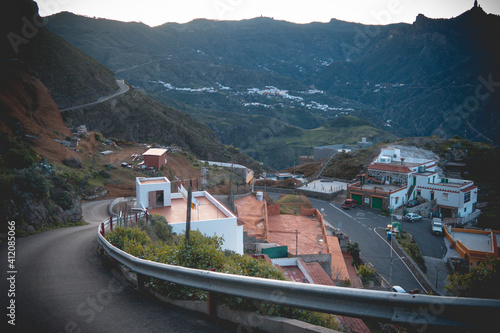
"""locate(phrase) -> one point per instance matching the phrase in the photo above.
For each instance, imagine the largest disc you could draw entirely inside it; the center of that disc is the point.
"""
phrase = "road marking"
(359, 214)
(387, 243)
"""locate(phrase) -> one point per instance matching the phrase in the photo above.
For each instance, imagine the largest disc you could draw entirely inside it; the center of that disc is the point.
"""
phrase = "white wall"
(142, 191)
(226, 228)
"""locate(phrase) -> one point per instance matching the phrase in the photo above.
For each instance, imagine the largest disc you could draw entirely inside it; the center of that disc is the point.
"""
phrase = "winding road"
(123, 89)
(63, 285)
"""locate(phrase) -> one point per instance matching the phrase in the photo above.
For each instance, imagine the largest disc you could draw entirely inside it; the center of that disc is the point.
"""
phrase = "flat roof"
(176, 213)
(382, 187)
(473, 241)
(155, 152)
(251, 212)
(145, 181)
(282, 231)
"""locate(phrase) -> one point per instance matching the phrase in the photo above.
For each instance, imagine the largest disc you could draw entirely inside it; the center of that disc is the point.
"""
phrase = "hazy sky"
(156, 12)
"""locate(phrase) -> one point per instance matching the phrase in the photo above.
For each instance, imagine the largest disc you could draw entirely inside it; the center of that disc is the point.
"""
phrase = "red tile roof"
(469, 188)
(390, 167)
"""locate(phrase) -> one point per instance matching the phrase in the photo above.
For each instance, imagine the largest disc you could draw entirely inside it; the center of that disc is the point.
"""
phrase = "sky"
(157, 12)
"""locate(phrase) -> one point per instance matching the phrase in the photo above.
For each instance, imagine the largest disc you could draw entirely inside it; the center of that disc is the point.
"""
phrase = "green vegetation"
(366, 271)
(354, 250)
(411, 247)
(204, 252)
(292, 204)
(481, 281)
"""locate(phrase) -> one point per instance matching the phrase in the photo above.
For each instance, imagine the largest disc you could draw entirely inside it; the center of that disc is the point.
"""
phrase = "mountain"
(41, 180)
(251, 79)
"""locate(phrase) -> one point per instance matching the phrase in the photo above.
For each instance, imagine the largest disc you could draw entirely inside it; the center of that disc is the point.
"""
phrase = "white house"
(209, 216)
(393, 180)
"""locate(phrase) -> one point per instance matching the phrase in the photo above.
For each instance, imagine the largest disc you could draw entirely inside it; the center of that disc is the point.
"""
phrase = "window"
(397, 198)
(432, 196)
(467, 197)
(445, 196)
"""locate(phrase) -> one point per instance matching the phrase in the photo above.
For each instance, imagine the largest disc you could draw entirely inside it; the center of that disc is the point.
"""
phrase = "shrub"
(121, 235)
(159, 229)
(32, 182)
(73, 162)
(98, 137)
(366, 271)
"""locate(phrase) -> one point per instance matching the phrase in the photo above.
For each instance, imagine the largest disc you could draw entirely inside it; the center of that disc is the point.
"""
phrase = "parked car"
(412, 217)
(398, 289)
(437, 226)
(412, 203)
(349, 203)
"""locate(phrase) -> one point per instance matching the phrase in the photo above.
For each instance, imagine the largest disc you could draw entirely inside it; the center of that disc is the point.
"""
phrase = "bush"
(159, 229)
(73, 162)
(32, 182)
(98, 137)
(122, 235)
(366, 271)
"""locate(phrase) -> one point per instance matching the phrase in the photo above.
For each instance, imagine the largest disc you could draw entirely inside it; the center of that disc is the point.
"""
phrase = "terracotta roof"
(339, 268)
(469, 188)
(318, 274)
(390, 167)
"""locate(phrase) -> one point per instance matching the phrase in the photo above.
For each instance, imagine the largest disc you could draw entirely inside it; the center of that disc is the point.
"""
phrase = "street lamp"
(390, 270)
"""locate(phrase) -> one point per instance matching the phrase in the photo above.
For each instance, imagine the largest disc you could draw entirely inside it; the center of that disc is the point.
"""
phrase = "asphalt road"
(123, 88)
(63, 285)
(360, 224)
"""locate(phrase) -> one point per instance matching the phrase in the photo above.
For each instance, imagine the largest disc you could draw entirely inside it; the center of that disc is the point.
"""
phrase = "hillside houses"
(392, 181)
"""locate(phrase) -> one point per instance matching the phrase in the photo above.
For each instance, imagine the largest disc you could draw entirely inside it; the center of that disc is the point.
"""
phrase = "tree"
(353, 249)
(481, 281)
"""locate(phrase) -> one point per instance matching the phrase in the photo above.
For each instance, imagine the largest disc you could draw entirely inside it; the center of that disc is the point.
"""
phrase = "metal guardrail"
(419, 311)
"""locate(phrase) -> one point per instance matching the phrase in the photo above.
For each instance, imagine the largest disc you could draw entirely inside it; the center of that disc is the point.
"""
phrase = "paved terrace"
(176, 213)
(377, 187)
(252, 213)
(473, 241)
(324, 187)
(309, 235)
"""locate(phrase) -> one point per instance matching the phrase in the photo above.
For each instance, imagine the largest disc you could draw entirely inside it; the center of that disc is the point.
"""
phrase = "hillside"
(42, 181)
(237, 77)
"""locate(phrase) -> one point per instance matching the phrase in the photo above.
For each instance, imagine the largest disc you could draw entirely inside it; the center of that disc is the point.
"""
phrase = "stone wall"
(324, 259)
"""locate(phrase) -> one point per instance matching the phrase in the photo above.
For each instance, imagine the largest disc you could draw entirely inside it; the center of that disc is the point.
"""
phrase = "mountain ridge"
(427, 69)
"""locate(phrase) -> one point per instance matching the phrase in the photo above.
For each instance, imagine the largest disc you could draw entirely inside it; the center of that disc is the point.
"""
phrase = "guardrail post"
(140, 282)
(103, 232)
(111, 223)
(212, 302)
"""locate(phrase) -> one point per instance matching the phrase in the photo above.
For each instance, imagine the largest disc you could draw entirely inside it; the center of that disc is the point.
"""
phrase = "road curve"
(123, 89)
(63, 285)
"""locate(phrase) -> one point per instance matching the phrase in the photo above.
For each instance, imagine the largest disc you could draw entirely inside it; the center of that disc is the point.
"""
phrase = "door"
(358, 198)
(152, 199)
(376, 203)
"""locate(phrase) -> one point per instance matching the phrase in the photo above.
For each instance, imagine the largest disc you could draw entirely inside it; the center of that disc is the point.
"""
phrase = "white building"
(209, 216)
(393, 180)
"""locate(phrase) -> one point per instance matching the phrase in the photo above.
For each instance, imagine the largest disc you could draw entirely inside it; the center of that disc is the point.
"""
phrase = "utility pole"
(188, 213)
(296, 242)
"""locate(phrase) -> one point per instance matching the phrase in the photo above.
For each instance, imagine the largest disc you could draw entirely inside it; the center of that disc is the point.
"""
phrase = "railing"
(417, 310)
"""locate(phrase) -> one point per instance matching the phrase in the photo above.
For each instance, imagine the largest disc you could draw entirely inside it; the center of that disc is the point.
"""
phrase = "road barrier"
(419, 311)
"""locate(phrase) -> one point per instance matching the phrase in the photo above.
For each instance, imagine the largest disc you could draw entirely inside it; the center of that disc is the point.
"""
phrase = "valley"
(260, 80)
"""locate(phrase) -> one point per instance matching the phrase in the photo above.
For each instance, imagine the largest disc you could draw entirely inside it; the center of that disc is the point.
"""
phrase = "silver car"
(412, 217)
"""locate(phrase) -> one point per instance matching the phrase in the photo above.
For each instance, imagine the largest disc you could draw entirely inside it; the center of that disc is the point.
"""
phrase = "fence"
(416, 310)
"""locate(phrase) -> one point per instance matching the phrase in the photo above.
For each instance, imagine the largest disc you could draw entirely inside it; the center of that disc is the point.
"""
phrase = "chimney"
(402, 160)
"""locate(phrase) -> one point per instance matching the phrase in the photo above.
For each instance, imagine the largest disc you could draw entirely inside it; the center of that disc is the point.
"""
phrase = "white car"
(397, 289)
(412, 217)
(437, 226)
